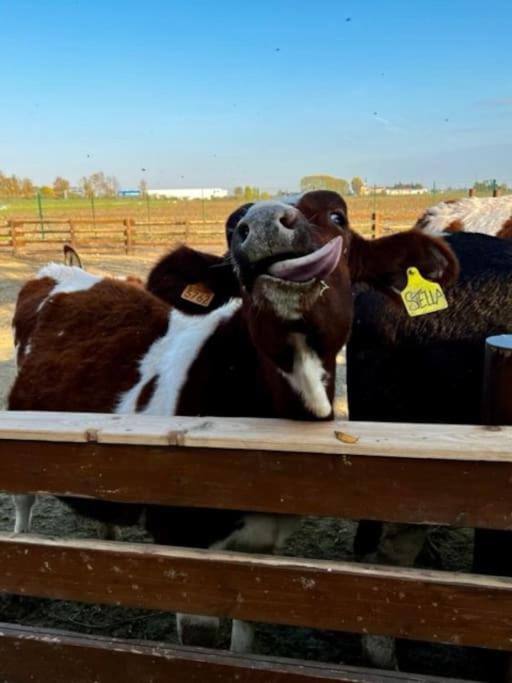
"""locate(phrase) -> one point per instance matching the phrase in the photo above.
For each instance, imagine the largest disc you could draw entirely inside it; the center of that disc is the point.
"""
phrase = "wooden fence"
(453, 475)
(107, 234)
(19, 236)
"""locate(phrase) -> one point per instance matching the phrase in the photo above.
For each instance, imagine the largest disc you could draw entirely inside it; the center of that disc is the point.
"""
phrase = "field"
(393, 211)
(317, 538)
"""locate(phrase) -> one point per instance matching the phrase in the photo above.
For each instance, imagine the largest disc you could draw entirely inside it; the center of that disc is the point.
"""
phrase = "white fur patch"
(68, 278)
(308, 377)
(477, 214)
(260, 533)
(171, 357)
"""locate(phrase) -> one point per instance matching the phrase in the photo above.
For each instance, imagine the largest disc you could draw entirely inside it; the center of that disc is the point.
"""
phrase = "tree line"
(100, 185)
(97, 184)
(328, 182)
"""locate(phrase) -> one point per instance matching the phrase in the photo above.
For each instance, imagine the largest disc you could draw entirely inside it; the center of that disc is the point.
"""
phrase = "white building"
(190, 193)
(379, 189)
(407, 190)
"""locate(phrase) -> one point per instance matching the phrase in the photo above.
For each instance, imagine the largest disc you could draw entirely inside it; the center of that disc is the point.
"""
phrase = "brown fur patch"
(455, 226)
(383, 262)
(146, 394)
(26, 314)
(88, 345)
(506, 230)
(134, 281)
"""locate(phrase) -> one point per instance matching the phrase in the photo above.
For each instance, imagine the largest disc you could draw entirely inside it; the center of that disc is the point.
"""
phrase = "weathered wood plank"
(51, 656)
(360, 487)
(459, 442)
(462, 609)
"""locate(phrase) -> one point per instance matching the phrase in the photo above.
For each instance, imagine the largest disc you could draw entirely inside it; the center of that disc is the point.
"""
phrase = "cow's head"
(294, 266)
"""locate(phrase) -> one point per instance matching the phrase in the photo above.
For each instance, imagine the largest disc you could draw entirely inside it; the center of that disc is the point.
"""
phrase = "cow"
(488, 215)
(94, 344)
(429, 369)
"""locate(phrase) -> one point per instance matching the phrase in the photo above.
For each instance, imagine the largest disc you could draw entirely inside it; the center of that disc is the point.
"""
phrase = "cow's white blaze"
(308, 377)
(170, 358)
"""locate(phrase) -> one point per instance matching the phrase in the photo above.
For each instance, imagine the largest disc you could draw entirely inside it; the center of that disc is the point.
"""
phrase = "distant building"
(129, 193)
(407, 190)
(373, 189)
(397, 190)
(190, 193)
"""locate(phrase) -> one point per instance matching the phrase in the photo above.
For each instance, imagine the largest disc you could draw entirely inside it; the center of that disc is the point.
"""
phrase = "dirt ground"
(316, 538)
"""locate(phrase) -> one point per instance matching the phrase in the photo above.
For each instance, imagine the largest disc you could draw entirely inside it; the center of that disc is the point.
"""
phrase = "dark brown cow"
(87, 343)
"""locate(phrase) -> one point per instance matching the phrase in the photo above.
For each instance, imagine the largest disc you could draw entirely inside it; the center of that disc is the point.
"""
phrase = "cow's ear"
(383, 262)
(193, 281)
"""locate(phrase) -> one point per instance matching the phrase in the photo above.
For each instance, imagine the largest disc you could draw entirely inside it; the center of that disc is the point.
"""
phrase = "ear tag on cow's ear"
(422, 296)
(198, 293)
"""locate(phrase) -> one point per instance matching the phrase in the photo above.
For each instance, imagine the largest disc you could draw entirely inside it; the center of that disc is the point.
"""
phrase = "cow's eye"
(339, 218)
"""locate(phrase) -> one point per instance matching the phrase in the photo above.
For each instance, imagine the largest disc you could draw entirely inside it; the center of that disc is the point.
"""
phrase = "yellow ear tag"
(422, 296)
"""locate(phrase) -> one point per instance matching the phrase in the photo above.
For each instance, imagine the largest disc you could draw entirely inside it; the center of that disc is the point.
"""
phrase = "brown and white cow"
(488, 215)
(87, 343)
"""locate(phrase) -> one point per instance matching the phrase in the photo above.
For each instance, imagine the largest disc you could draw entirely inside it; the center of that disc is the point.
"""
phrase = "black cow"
(429, 369)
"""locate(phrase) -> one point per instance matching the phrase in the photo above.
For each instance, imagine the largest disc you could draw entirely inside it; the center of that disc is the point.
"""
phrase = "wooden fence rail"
(123, 234)
(457, 475)
(127, 235)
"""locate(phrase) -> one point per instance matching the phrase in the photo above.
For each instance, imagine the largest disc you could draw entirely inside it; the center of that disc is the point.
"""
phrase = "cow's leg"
(194, 629)
(253, 534)
(271, 533)
(23, 505)
(399, 545)
(242, 636)
(108, 531)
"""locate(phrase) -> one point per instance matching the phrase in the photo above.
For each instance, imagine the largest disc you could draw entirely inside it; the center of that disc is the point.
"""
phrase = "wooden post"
(471, 192)
(492, 553)
(128, 235)
(497, 397)
(375, 226)
(12, 231)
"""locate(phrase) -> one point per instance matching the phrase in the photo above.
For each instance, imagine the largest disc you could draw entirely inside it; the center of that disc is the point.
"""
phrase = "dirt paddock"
(316, 538)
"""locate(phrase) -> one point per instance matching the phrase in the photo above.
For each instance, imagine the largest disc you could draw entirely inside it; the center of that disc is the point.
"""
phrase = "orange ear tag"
(422, 296)
(198, 293)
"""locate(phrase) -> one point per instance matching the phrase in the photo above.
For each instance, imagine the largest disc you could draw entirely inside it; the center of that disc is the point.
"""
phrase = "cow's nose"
(269, 226)
(243, 229)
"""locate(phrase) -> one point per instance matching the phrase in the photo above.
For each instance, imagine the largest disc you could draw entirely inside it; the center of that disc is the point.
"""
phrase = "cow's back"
(80, 341)
(487, 215)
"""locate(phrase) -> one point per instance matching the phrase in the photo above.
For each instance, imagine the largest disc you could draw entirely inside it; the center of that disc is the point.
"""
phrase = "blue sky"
(224, 93)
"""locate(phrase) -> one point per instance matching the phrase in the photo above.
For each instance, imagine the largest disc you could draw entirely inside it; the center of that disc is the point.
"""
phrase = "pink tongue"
(318, 264)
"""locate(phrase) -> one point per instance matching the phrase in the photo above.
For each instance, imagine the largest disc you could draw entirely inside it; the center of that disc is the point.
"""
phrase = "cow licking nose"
(278, 253)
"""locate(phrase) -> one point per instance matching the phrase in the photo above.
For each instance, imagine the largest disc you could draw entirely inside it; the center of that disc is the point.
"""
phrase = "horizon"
(186, 97)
